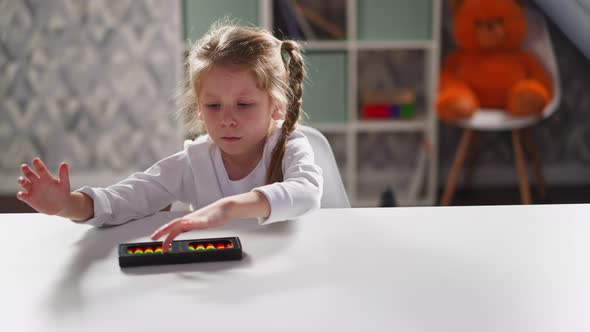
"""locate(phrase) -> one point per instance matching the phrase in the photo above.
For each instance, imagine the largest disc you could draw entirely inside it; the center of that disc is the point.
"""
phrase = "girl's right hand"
(42, 191)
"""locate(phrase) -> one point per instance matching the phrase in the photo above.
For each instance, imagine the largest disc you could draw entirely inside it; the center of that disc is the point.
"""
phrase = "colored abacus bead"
(191, 247)
(153, 253)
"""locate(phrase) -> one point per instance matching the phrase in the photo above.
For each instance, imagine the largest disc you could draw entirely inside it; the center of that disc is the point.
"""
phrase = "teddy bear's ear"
(455, 5)
(521, 3)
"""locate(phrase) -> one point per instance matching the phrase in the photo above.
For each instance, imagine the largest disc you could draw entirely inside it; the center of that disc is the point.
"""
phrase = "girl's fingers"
(174, 228)
(41, 168)
(64, 173)
(163, 230)
(173, 233)
(22, 196)
(25, 184)
(28, 173)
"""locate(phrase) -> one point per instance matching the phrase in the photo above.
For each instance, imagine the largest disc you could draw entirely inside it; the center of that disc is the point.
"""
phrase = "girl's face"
(236, 114)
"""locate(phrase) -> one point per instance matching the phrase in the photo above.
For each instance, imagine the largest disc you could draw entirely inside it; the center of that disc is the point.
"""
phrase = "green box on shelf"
(200, 14)
(325, 90)
(407, 111)
(396, 20)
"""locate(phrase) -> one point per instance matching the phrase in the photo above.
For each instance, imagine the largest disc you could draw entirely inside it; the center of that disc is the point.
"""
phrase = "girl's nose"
(227, 118)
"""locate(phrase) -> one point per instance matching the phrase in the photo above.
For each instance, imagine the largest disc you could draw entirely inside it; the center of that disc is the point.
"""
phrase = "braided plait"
(295, 75)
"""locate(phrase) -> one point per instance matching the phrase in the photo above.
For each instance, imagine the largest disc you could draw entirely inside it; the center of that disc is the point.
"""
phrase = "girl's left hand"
(212, 215)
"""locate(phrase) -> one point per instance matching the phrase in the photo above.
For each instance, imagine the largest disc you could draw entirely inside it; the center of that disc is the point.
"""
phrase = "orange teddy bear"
(490, 70)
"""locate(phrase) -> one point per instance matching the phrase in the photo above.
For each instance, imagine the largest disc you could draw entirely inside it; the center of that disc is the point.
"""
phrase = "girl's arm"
(243, 206)
(302, 187)
(80, 207)
(247, 205)
(142, 193)
(299, 193)
(139, 195)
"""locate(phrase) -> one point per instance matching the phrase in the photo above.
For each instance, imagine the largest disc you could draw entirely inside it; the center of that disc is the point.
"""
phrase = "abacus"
(180, 252)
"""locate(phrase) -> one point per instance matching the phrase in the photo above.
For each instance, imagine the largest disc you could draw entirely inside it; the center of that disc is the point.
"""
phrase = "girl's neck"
(239, 166)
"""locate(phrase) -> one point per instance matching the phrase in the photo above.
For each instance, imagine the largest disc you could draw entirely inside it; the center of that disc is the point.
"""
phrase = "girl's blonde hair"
(277, 66)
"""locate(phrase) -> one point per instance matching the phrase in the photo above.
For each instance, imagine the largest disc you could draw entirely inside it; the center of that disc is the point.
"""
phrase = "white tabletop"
(509, 268)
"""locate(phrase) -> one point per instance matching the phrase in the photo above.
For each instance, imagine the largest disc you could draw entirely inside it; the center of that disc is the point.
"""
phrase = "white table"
(510, 268)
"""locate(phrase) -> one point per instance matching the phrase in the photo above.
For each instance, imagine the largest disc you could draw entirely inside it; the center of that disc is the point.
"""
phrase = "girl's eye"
(243, 106)
(213, 106)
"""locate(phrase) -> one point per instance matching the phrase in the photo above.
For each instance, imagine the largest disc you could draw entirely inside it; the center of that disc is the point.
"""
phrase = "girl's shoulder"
(297, 137)
(305, 133)
(298, 141)
(201, 143)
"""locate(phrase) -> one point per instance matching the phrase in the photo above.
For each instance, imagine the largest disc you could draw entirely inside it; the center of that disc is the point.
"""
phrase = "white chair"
(539, 43)
(334, 194)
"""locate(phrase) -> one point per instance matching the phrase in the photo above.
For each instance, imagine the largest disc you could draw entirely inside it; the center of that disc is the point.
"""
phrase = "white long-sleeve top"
(197, 176)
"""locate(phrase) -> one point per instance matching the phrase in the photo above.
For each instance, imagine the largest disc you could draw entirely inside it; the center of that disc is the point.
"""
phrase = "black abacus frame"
(180, 253)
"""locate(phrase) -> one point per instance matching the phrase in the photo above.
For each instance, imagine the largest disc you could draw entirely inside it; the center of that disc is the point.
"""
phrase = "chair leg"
(456, 167)
(525, 191)
(530, 148)
(472, 155)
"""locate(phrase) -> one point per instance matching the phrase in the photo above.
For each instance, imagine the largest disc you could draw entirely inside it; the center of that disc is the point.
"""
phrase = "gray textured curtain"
(88, 82)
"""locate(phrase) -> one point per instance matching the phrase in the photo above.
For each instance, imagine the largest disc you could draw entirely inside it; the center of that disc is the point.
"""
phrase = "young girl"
(244, 87)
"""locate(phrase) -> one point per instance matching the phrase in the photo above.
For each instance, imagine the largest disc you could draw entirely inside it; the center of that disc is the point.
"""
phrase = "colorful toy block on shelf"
(393, 104)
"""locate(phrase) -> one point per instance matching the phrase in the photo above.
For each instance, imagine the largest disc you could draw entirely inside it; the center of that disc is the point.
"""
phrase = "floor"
(495, 196)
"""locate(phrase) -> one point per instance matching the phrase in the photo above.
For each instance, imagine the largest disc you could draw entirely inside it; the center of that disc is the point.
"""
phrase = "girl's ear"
(199, 114)
(277, 112)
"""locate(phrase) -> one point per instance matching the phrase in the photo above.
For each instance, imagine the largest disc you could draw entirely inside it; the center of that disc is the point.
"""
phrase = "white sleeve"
(301, 189)
(142, 193)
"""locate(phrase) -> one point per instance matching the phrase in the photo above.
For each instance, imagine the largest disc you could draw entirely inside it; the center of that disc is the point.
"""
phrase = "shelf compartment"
(391, 85)
(198, 15)
(394, 19)
(309, 19)
(325, 90)
(396, 161)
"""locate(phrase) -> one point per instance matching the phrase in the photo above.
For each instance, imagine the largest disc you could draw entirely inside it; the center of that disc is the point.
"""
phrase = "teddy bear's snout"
(491, 24)
(490, 33)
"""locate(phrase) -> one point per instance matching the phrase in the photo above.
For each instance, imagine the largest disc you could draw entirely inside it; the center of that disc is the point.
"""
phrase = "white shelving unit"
(348, 126)
(426, 167)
